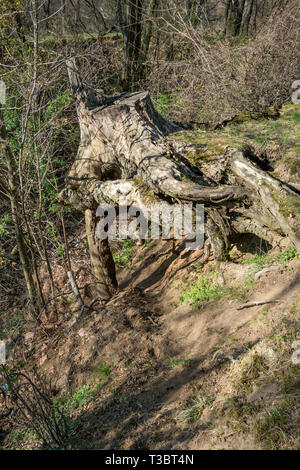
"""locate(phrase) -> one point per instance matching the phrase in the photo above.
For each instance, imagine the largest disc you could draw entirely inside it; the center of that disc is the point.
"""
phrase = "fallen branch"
(75, 290)
(256, 304)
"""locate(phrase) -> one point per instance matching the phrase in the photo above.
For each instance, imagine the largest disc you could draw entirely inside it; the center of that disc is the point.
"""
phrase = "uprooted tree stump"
(125, 145)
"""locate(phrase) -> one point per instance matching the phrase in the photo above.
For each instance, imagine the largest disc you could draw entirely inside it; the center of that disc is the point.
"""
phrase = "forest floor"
(170, 362)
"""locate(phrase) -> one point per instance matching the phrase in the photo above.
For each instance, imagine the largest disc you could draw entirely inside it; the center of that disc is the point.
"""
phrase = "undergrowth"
(263, 259)
(123, 257)
(194, 408)
(208, 289)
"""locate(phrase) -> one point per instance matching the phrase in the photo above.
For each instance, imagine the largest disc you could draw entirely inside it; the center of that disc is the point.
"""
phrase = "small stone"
(82, 332)
(270, 353)
(221, 279)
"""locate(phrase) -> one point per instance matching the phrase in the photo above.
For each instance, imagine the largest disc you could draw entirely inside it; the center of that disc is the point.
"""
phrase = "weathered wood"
(276, 198)
(124, 141)
(257, 304)
(75, 290)
(127, 136)
(101, 258)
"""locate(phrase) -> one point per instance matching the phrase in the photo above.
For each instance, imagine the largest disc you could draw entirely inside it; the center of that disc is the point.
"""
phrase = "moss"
(147, 193)
(270, 113)
(237, 413)
(198, 156)
(290, 205)
(244, 117)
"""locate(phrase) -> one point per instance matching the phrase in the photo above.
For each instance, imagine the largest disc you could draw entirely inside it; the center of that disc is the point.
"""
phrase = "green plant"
(104, 369)
(194, 409)
(264, 259)
(176, 362)
(36, 409)
(3, 224)
(81, 396)
(123, 257)
(22, 436)
(161, 102)
(60, 250)
(204, 290)
(207, 289)
(272, 428)
(70, 298)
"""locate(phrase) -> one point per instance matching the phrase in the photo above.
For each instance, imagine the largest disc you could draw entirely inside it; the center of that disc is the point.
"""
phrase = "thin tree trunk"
(152, 13)
(133, 65)
(14, 203)
(101, 258)
(246, 17)
(233, 17)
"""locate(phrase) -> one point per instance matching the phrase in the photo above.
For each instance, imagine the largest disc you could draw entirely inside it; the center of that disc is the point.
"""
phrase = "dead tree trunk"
(101, 258)
(100, 253)
(125, 141)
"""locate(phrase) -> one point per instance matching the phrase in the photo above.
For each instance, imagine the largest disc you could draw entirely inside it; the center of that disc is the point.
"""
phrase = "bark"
(147, 36)
(238, 14)
(133, 35)
(232, 18)
(101, 258)
(127, 146)
(246, 17)
(100, 253)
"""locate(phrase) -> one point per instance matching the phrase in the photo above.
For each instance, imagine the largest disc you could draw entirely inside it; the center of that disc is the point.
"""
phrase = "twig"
(75, 290)
(255, 304)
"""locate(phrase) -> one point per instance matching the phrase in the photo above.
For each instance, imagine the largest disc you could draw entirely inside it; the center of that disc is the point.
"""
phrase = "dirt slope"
(153, 372)
(170, 362)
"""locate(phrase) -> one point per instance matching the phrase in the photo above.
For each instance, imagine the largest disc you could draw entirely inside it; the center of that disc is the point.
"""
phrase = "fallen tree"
(126, 146)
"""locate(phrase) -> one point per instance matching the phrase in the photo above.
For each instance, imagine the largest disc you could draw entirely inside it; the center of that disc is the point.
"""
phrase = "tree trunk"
(133, 35)
(127, 146)
(148, 31)
(232, 18)
(246, 17)
(100, 253)
(101, 258)
(237, 17)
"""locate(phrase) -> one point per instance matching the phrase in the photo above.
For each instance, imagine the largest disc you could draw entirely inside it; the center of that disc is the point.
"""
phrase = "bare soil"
(160, 355)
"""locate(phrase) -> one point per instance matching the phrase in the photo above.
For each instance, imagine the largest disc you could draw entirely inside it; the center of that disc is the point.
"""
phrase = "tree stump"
(125, 144)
